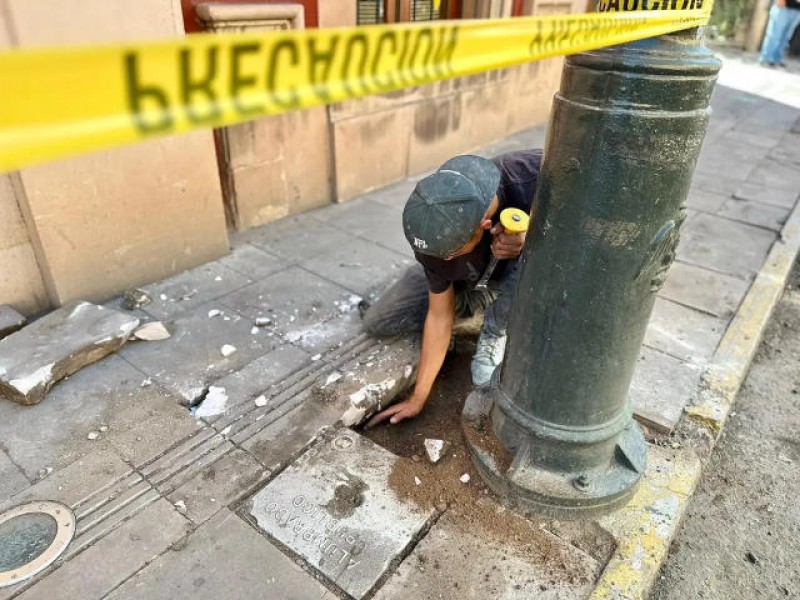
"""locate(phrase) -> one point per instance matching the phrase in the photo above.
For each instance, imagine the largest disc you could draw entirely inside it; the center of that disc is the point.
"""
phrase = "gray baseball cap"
(445, 208)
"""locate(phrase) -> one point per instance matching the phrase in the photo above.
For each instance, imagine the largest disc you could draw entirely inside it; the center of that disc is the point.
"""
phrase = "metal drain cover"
(32, 536)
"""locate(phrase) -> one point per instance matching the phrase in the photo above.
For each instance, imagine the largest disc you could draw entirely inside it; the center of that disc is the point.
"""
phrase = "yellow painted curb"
(645, 527)
(731, 361)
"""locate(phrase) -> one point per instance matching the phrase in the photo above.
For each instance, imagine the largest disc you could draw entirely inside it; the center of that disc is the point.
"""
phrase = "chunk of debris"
(225, 432)
(316, 357)
(263, 322)
(180, 506)
(464, 478)
(214, 312)
(136, 298)
(752, 558)
(93, 435)
(215, 403)
(353, 416)
(332, 378)
(33, 359)
(152, 332)
(417, 480)
(261, 401)
(227, 350)
(254, 330)
(10, 321)
(435, 449)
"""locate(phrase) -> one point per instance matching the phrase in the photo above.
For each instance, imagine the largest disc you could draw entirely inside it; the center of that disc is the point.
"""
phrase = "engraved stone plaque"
(334, 507)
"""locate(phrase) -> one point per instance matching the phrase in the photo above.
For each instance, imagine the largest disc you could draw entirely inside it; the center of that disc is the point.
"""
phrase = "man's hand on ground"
(504, 245)
(399, 412)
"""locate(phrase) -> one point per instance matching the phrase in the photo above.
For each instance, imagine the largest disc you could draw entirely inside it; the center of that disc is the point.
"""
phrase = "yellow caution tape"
(62, 102)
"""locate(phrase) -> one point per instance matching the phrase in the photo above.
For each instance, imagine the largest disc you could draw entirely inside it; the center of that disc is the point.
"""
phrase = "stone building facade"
(93, 226)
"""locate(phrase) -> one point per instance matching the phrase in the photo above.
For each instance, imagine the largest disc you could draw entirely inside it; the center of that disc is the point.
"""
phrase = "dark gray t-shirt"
(519, 173)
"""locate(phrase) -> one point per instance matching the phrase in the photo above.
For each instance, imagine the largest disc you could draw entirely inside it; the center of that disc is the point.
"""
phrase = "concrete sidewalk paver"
(334, 508)
(155, 453)
(225, 558)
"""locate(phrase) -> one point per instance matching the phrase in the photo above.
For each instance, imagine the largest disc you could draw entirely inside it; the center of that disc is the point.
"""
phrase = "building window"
(370, 12)
(425, 10)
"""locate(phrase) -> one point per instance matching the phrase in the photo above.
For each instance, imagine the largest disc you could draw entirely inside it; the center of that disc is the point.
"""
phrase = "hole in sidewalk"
(473, 504)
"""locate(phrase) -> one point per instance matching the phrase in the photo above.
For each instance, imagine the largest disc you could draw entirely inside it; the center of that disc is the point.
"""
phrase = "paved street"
(272, 497)
(739, 539)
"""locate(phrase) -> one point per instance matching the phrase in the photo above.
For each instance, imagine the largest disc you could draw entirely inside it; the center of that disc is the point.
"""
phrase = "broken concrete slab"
(661, 387)
(333, 507)
(218, 485)
(249, 567)
(704, 289)
(58, 345)
(524, 562)
(373, 382)
(10, 321)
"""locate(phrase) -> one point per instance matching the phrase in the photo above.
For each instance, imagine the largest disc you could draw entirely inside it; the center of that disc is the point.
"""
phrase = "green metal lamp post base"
(627, 126)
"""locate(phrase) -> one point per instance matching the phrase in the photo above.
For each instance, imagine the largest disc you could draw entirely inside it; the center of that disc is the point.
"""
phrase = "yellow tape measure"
(63, 102)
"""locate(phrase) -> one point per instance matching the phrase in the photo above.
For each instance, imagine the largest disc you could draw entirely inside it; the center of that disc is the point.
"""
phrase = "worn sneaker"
(488, 356)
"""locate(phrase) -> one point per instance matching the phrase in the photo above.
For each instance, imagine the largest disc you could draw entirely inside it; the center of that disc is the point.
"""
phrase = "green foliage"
(729, 16)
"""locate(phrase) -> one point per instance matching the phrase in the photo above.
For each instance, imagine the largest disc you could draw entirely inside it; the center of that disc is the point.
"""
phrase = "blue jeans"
(402, 308)
(782, 23)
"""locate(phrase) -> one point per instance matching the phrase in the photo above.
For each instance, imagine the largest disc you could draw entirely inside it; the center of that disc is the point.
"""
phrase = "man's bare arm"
(435, 341)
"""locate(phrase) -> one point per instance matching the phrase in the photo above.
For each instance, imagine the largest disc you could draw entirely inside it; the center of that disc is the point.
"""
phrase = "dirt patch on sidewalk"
(473, 504)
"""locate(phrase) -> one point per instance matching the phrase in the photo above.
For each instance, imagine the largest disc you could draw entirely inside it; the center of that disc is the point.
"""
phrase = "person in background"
(784, 17)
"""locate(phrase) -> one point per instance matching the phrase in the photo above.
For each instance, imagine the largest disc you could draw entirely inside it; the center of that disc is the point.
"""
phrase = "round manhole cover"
(32, 536)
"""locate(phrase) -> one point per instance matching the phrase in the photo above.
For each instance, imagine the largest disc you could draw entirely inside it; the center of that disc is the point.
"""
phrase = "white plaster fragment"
(93, 435)
(407, 371)
(353, 416)
(152, 332)
(464, 478)
(180, 505)
(316, 357)
(254, 330)
(357, 398)
(261, 401)
(214, 403)
(39, 377)
(332, 378)
(214, 313)
(434, 449)
(417, 480)
(227, 350)
(226, 431)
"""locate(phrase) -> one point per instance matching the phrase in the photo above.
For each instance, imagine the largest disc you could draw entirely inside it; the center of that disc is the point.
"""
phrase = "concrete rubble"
(152, 332)
(33, 359)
